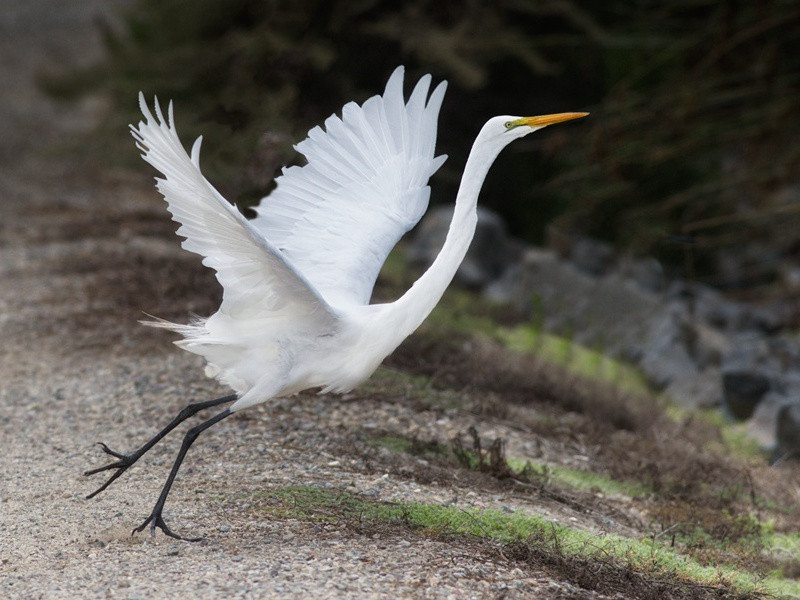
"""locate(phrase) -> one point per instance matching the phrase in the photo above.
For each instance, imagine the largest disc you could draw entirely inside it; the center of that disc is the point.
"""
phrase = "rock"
(742, 391)
(762, 426)
(755, 366)
(708, 345)
(490, 254)
(703, 390)
(665, 351)
(702, 348)
(713, 308)
(647, 273)
(503, 289)
(592, 257)
(610, 313)
(710, 306)
(750, 352)
(769, 319)
(787, 431)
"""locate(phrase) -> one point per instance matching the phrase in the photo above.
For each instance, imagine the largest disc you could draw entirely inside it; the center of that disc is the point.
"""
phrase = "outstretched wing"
(365, 185)
(256, 279)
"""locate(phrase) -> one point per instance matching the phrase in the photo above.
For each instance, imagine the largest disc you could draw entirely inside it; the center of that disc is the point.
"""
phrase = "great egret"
(297, 279)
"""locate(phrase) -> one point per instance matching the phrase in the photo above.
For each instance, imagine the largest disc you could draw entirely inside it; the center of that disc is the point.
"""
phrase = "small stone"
(788, 431)
(592, 257)
(742, 391)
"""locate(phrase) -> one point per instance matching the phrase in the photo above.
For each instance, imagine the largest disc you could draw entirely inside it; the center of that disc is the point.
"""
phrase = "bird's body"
(297, 279)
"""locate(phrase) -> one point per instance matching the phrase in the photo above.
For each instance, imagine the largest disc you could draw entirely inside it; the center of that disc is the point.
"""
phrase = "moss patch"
(580, 480)
(529, 537)
(576, 358)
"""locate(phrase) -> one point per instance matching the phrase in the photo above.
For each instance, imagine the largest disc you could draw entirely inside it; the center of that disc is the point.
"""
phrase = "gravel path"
(82, 253)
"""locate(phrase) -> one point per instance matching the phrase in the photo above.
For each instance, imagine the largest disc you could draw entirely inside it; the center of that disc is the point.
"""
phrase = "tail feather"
(190, 331)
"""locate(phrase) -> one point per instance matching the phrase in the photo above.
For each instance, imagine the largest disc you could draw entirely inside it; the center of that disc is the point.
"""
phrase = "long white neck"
(418, 302)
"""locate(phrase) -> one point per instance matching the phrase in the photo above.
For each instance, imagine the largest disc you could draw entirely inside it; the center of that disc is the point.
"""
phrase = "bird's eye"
(508, 124)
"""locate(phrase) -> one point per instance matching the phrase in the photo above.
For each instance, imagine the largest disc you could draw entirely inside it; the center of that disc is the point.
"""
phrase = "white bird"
(297, 279)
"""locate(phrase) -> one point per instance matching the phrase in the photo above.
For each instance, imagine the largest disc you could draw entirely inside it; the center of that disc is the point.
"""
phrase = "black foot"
(125, 461)
(156, 520)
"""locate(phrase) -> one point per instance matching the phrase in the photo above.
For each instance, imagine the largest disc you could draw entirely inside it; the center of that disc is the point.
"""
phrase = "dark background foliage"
(690, 153)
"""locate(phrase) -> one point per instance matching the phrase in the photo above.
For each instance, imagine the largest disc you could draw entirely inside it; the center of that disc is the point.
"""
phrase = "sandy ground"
(82, 253)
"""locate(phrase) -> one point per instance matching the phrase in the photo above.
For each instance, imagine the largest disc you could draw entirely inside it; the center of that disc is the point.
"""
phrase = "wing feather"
(257, 280)
(364, 186)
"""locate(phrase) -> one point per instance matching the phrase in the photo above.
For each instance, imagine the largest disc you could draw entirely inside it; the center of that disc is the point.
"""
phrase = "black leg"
(126, 460)
(155, 519)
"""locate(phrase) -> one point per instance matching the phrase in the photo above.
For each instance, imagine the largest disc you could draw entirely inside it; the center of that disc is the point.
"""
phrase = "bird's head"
(504, 129)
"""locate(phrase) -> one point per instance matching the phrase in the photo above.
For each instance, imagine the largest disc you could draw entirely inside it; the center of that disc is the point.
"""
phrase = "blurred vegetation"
(690, 149)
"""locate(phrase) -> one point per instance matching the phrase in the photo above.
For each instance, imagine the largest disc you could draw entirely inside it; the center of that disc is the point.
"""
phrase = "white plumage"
(365, 185)
(297, 279)
(303, 270)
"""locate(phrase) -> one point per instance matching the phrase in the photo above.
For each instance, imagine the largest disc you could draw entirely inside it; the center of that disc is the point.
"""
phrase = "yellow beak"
(543, 120)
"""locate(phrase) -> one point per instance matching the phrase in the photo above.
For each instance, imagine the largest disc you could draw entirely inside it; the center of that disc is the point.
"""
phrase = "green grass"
(409, 446)
(579, 480)
(646, 556)
(461, 312)
(574, 357)
(545, 472)
(786, 542)
(734, 435)
(708, 537)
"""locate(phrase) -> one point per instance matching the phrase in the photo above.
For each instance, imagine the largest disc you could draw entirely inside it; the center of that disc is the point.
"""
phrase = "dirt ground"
(84, 251)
